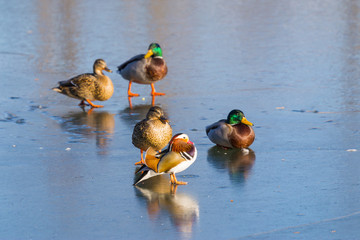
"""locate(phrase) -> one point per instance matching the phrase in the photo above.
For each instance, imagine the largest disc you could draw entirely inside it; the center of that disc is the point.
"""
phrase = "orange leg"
(175, 181)
(93, 105)
(90, 111)
(130, 94)
(153, 93)
(130, 104)
(153, 101)
(142, 161)
(173, 189)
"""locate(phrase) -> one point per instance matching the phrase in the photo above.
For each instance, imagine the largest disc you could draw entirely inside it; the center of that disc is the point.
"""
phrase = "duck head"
(156, 112)
(100, 65)
(154, 50)
(182, 137)
(237, 116)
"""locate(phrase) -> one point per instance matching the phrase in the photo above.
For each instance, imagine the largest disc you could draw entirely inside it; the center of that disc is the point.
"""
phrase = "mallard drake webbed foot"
(130, 94)
(154, 93)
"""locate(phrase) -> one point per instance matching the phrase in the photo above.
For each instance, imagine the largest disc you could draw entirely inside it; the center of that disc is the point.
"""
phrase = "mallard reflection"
(135, 114)
(82, 125)
(131, 105)
(238, 161)
(162, 199)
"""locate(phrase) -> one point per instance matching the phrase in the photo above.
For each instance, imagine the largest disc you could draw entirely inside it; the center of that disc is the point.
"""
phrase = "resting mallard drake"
(233, 132)
(178, 156)
(154, 131)
(89, 86)
(145, 69)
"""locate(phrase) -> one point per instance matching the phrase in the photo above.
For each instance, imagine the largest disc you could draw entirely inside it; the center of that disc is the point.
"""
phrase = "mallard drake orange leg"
(94, 105)
(130, 94)
(175, 181)
(142, 161)
(153, 93)
(153, 101)
(130, 103)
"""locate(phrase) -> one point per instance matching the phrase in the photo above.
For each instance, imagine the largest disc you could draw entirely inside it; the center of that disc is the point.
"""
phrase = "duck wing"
(144, 173)
(179, 152)
(133, 59)
(214, 126)
(79, 81)
(149, 169)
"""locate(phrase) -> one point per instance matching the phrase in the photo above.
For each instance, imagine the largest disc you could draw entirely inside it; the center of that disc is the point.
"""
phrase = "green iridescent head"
(236, 116)
(154, 50)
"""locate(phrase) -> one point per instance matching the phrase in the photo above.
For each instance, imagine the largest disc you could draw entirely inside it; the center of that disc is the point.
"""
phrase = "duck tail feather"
(56, 89)
(144, 174)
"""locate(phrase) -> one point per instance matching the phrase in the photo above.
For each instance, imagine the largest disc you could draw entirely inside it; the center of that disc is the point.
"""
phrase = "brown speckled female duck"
(145, 69)
(89, 86)
(154, 131)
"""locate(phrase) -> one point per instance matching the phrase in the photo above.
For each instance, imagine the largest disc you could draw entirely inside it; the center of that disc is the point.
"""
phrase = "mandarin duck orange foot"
(154, 131)
(233, 132)
(145, 69)
(89, 86)
(177, 157)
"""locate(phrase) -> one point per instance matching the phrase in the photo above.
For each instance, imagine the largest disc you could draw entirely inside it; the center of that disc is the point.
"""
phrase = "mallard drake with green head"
(233, 132)
(145, 69)
(153, 131)
(89, 86)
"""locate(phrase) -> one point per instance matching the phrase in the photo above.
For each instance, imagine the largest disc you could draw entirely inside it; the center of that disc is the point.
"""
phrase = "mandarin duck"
(89, 86)
(177, 157)
(145, 69)
(233, 132)
(154, 131)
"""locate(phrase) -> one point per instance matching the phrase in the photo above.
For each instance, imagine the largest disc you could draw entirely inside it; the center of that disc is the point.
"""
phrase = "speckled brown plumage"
(89, 86)
(154, 131)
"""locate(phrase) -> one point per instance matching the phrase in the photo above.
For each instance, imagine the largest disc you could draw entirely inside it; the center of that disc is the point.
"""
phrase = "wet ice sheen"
(292, 66)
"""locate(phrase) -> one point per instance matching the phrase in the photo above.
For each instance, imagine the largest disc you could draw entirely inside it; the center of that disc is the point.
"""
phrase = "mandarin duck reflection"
(233, 132)
(154, 131)
(89, 86)
(162, 200)
(145, 69)
(178, 156)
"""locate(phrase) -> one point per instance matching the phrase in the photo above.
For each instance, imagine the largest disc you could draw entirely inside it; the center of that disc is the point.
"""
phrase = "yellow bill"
(149, 54)
(245, 121)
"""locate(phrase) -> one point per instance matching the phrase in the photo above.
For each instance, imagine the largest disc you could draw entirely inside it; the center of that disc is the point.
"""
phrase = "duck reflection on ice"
(131, 106)
(162, 199)
(98, 124)
(134, 115)
(238, 161)
(137, 113)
